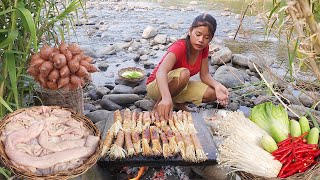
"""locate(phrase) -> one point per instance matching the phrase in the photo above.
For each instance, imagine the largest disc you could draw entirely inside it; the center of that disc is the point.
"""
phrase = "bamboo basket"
(312, 173)
(62, 175)
(60, 97)
(121, 71)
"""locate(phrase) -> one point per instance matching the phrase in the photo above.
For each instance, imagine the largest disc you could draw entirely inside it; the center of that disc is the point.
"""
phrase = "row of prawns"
(159, 137)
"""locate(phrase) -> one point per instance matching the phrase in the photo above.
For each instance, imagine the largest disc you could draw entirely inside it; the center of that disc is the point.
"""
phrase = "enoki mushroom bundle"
(241, 149)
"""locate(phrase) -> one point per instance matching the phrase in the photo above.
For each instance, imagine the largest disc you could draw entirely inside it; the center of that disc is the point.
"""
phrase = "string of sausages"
(145, 133)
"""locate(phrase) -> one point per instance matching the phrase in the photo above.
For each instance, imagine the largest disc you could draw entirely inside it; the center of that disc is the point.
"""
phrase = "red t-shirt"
(180, 51)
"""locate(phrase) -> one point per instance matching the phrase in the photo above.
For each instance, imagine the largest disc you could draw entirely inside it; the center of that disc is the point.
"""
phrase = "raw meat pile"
(44, 140)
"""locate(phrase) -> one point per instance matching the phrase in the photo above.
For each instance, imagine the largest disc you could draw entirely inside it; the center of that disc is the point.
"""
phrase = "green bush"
(24, 25)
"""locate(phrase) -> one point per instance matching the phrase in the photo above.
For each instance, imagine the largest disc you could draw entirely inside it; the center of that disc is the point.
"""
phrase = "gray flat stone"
(109, 105)
(122, 99)
(98, 115)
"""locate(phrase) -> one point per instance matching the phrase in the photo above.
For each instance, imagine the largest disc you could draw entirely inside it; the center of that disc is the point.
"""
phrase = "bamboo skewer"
(136, 142)
(157, 119)
(178, 121)
(165, 146)
(146, 120)
(201, 156)
(107, 143)
(139, 123)
(190, 151)
(127, 128)
(156, 146)
(191, 128)
(129, 145)
(116, 150)
(146, 150)
(133, 121)
(172, 126)
(173, 147)
(181, 146)
(126, 120)
(117, 125)
(184, 120)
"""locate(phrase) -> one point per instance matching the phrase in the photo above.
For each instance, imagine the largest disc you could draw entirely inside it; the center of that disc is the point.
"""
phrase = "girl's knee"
(184, 77)
(209, 95)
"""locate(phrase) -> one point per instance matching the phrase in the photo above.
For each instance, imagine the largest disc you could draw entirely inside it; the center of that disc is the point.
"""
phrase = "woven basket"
(63, 98)
(312, 173)
(121, 71)
(59, 175)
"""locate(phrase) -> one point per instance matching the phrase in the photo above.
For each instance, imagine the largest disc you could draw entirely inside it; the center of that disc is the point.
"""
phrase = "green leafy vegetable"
(132, 74)
(268, 116)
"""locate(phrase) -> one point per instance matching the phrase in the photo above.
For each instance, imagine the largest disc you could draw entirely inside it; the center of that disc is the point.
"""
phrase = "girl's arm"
(205, 75)
(222, 92)
(165, 104)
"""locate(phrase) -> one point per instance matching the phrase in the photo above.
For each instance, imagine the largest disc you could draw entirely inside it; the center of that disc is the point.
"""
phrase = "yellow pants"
(192, 93)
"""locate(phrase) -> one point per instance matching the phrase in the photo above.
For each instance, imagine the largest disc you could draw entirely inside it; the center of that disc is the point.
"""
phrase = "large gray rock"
(260, 62)
(145, 104)
(88, 50)
(109, 105)
(160, 39)
(261, 99)
(239, 59)
(126, 83)
(141, 89)
(122, 89)
(301, 111)
(222, 56)
(108, 50)
(292, 97)
(100, 125)
(89, 107)
(103, 66)
(309, 98)
(101, 91)
(93, 95)
(99, 115)
(122, 99)
(149, 32)
(229, 76)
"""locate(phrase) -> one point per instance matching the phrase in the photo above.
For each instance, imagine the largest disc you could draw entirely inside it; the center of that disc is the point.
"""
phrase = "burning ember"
(156, 173)
(140, 173)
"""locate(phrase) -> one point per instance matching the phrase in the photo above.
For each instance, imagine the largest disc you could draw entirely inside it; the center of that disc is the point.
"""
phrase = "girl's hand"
(165, 108)
(222, 94)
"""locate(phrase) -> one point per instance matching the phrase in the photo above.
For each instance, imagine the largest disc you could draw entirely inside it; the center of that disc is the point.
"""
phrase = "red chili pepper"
(287, 153)
(300, 151)
(285, 142)
(300, 138)
(288, 159)
(284, 167)
(308, 145)
(293, 171)
(282, 150)
(317, 153)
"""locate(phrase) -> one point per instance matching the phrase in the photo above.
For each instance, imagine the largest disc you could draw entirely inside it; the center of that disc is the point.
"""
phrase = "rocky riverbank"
(126, 34)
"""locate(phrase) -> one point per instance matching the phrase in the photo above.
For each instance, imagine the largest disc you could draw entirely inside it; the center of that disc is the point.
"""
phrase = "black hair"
(201, 20)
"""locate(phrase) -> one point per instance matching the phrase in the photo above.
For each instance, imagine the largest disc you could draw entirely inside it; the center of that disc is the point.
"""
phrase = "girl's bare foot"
(183, 107)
